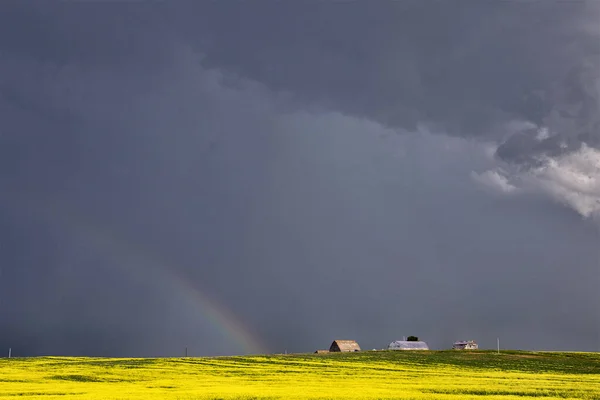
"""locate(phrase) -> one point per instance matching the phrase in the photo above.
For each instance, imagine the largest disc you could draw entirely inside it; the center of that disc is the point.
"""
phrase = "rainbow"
(141, 262)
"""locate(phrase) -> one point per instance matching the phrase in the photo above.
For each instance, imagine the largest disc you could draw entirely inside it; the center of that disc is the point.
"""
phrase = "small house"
(344, 346)
(465, 345)
(408, 345)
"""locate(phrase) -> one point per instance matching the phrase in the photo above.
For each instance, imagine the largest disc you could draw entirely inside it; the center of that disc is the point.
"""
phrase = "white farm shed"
(407, 345)
(465, 345)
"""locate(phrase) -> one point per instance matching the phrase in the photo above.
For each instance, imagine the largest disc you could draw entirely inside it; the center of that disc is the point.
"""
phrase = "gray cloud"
(286, 169)
(478, 69)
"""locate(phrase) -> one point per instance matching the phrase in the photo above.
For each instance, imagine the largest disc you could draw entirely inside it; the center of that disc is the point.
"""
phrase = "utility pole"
(186, 351)
(9, 352)
(498, 339)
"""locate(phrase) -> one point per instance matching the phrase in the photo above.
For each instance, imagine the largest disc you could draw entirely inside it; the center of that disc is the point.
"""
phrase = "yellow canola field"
(366, 375)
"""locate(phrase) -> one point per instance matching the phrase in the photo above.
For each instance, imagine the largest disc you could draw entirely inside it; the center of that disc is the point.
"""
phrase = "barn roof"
(407, 345)
(347, 345)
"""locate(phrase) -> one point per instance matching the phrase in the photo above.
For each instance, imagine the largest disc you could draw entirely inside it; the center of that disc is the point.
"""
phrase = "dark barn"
(344, 346)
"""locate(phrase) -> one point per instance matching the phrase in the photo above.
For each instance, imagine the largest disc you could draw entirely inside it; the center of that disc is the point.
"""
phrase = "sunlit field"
(365, 375)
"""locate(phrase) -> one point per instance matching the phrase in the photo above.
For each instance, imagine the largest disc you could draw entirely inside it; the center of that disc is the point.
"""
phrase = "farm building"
(465, 345)
(321, 351)
(344, 345)
(408, 345)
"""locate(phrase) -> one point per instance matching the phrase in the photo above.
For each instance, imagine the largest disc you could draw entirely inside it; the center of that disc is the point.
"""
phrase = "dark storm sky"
(318, 170)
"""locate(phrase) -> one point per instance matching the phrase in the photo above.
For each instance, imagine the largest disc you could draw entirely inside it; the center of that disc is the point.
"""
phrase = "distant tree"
(412, 339)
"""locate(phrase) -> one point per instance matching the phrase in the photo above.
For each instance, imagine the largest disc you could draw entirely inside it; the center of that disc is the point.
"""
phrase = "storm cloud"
(206, 175)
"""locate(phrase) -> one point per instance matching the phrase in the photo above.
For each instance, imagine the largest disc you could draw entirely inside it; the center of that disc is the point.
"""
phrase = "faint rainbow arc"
(130, 258)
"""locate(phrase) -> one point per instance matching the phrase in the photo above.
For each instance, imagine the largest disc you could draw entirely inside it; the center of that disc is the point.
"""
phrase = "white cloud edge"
(572, 179)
